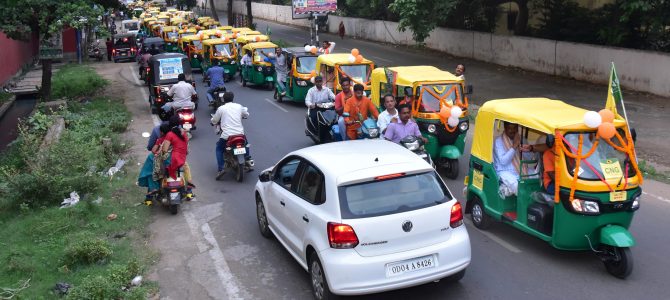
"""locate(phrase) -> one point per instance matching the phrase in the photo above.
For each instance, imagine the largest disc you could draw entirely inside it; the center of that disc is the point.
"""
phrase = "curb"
(5, 107)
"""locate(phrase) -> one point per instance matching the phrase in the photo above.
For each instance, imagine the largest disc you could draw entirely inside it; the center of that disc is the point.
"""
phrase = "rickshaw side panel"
(493, 205)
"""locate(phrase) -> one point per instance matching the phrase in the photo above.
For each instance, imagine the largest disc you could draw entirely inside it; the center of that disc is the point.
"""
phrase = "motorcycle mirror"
(550, 140)
(468, 89)
(264, 177)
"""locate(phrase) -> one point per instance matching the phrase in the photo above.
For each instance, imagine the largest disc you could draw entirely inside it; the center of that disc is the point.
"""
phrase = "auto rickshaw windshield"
(172, 35)
(222, 50)
(187, 34)
(432, 93)
(257, 53)
(358, 73)
(131, 25)
(306, 64)
(604, 157)
(197, 44)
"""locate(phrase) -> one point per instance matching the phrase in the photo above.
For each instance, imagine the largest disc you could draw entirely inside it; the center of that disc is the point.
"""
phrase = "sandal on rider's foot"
(219, 176)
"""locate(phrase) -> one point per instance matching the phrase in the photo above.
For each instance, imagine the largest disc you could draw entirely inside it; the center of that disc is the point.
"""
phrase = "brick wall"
(13, 55)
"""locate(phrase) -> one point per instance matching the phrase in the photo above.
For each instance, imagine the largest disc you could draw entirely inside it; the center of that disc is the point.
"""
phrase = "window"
(306, 64)
(431, 95)
(604, 157)
(285, 172)
(311, 186)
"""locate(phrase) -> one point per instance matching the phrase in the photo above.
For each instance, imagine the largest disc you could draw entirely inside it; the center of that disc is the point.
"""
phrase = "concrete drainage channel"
(10, 113)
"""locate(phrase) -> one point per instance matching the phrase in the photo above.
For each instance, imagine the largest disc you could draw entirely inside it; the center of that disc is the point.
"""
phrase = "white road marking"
(379, 58)
(494, 238)
(657, 197)
(219, 261)
(276, 105)
(145, 94)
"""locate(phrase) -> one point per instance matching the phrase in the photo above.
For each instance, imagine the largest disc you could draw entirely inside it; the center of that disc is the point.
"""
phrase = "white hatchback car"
(363, 217)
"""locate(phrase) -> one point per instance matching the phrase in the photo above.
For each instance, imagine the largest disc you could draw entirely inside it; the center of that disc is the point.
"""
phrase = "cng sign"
(611, 168)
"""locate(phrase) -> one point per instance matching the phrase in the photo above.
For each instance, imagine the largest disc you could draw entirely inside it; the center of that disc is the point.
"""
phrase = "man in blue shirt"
(215, 75)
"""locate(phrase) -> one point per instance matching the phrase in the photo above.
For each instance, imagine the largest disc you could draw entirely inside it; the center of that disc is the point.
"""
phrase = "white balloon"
(307, 48)
(456, 111)
(592, 119)
(452, 121)
(311, 80)
(352, 59)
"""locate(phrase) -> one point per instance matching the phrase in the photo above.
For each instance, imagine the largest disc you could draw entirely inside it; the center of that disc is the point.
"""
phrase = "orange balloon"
(313, 50)
(607, 115)
(227, 39)
(445, 112)
(606, 130)
(234, 35)
(359, 58)
(313, 73)
(258, 38)
(354, 52)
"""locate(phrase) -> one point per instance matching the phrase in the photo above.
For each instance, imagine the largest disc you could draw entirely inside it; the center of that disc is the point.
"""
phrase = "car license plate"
(187, 126)
(237, 151)
(410, 265)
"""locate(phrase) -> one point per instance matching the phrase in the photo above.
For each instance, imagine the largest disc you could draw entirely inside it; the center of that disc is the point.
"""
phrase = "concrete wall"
(644, 71)
(13, 55)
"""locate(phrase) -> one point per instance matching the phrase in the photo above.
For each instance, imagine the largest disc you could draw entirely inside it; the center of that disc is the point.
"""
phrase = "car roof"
(358, 160)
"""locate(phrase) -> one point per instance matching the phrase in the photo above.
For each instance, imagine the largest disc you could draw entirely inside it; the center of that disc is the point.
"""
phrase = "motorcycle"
(217, 96)
(326, 118)
(368, 129)
(172, 193)
(234, 156)
(144, 74)
(186, 120)
(94, 50)
(416, 145)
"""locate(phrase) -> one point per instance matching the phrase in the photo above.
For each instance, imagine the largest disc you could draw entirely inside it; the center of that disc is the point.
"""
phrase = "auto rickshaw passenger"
(409, 97)
(359, 107)
(181, 94)
(460, 71)
(506, 160)
(327, 47)
(548, 181)
(246, 59)
(215, 75)
(340, 100)
(330, 77)
(397, 131)
(389, 115)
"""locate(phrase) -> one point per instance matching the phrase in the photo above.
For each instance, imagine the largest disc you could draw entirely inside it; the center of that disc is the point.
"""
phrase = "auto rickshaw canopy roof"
(252, 38)
(299, 52)
(338, 59)
(211, 42)
(225, 27)
(190, 38)
(252, 46)
(541, 114)
(240, 29)
(170, 28)
(407, 76)
(191, 30)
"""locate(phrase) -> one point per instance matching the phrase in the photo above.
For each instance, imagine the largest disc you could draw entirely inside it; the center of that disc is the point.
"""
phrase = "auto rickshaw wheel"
(451, 166)
(620, 264)
(478, 215)
(244, 82)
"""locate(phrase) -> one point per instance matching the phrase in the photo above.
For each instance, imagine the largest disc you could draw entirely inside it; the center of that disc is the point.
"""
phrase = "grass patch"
(4, 97)
(650, 172)
(73, 81)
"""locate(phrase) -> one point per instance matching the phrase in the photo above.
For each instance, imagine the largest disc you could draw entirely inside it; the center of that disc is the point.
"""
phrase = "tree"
(215, 15)
(421, 16)
(20, 19)
(231, 16)
(250, 18)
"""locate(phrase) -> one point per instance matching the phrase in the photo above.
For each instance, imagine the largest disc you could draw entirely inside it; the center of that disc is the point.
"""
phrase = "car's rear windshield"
(392, 196)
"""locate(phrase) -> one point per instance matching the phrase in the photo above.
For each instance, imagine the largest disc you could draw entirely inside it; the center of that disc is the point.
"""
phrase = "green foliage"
(373, 9)
(421, 16)
(565, 19)
(4, 97)
(87, 249)
(74, 81)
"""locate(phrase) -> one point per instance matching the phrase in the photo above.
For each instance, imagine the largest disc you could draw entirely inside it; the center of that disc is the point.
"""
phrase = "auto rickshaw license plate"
(618, 196)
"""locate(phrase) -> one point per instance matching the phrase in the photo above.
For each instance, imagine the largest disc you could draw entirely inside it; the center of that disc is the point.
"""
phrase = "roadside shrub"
(73, 81)
(87, 249)
(111, 285)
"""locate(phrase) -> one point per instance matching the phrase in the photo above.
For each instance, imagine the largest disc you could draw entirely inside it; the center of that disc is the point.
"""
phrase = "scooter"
(235, 156)
(326, 118)
(94, 50)
(217, 96)
(416, 145)
(368, 129)
(186, 120)
(172, 192)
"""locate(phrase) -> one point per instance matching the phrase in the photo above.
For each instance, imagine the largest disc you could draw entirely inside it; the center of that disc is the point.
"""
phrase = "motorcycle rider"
(229, 119)
(144, 60)
(396, 131)
(215, 75)
(181, 94)
(340, 99)
(359, 107)
(315, 95)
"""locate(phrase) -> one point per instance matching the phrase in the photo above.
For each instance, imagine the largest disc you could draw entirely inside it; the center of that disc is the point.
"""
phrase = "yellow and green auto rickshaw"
(211, 33)
(225, 29)
(201, 20)
(163, 17)
(179, 22)
(171, 38)
(182, 34)
(157, 28)
(433, 90)
(211, 24)
(595, 180)
(239, 30)
(301, 69)
(260, 72)
(333, 67)
(222, 51)
(192, 44)
(244, 39)
(146, 25)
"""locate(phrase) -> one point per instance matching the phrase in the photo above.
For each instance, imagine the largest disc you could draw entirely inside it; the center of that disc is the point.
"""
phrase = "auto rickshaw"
(332, 67)
(596, 180)
(163, 71)
(244, 39)
(124, 47)
(240, 29)
(192, 46)
(182, 34)
(301, 66)
(225, 29)
(179, 22)
(223, 51)
(211, 33)
(201, 20)
(146, 23)
(171, 37)
(259, 72)
(432, 91)
(164, 18)
(211, 24)
(137, 12)
(157, 29)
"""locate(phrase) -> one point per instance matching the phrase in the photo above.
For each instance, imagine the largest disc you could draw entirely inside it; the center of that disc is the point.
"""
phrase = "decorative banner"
(391, 77)
(303, 8)
(53, 47)
(170, 68)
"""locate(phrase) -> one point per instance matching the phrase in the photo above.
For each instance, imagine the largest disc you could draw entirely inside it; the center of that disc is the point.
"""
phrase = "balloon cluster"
(603, 120)
(452, 115)
(355, 56)
(311, 49)
(258, 39)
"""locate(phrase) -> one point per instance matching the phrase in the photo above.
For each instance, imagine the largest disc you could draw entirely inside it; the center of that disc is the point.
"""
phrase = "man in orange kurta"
(359, 108)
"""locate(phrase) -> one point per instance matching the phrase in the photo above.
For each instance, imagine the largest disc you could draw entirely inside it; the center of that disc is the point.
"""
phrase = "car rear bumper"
(348, 273)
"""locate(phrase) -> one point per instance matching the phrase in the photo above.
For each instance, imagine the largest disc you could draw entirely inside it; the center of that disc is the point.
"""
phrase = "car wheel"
(320, 289)
(261, 215)
(478, 215)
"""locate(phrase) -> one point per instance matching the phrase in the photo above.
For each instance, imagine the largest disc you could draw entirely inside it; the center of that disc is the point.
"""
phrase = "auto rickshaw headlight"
(585, 206)
(463, 126)
(432, 128)
(301, 82)
(259, 69)
(636, 204)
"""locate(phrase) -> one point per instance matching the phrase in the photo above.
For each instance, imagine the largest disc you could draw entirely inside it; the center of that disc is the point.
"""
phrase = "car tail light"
(113, 51)
(456, 215)
(341, 236)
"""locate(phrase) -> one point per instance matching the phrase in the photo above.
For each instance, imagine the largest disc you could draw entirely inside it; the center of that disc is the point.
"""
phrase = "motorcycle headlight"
(195, 56)
(413, 145)
(259, 69)
(586, 206)
(301, 83)
(373, 132)
(221, 95)
(463, 126)
(432, 128)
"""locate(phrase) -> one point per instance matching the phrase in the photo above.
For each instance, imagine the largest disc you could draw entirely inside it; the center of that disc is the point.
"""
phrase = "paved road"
(213, 249)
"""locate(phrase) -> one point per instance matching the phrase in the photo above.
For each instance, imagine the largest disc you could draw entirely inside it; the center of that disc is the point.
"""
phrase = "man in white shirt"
(246, 59)
(229, 119)
(327, 47)
(460, 71)
(389, 115)
(315, 95)
(181, 94)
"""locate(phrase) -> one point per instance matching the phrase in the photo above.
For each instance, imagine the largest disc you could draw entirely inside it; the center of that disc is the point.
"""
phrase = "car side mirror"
(468, 89)
(633, 134)
(264, 176)
(551, 140)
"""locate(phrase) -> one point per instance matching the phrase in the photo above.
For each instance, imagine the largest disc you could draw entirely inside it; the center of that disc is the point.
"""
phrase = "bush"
(74, 81)
(110, 286)
(86, 249)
